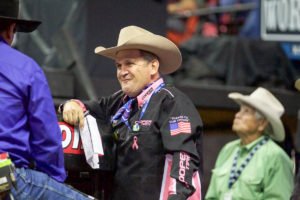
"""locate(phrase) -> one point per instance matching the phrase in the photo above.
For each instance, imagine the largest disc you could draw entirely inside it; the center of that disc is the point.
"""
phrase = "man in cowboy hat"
(29, 131)
(157, 129)
(254, 166)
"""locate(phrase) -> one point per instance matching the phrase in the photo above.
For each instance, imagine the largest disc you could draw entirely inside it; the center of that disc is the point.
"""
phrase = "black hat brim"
(25, 26)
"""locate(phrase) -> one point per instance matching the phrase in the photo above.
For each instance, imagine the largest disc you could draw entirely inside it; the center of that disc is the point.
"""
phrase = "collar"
(2, 40)
(146, 93)
(248, 147)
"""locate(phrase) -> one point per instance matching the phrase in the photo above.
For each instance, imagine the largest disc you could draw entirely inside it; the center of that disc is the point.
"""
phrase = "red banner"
(71, 141)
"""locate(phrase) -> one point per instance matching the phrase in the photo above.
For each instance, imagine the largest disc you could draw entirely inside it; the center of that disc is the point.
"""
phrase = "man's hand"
(73, 113)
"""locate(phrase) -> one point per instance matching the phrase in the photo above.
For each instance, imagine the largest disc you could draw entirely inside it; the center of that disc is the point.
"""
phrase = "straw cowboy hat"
(9, 10)
(266, 103)
(133, 37)
(297, 84)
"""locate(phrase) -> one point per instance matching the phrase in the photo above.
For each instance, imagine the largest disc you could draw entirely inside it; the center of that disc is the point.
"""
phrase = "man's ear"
(154, 66)
(262, 125)
(9, 33)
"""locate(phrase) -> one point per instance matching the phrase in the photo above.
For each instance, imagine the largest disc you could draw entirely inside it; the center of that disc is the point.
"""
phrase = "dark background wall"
(72, 29)
(106, 18)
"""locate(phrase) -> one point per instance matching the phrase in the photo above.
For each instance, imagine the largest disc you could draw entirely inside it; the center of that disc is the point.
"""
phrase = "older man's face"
(245, 121)
(133, 72)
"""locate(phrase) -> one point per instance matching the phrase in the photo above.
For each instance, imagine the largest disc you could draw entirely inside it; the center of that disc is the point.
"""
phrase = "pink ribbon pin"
(135, 145)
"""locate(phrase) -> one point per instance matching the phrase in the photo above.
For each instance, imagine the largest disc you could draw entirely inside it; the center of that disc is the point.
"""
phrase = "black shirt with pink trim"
(159, 151)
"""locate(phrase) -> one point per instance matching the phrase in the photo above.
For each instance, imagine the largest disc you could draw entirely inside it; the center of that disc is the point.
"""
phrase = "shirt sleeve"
(45, 138)
(279, 180)
(181, 130)
(212, 191)
(104, 107)
(296, 191)
(182, 171)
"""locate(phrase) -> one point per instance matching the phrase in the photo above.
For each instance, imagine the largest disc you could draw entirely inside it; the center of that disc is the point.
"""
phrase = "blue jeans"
(34, 185)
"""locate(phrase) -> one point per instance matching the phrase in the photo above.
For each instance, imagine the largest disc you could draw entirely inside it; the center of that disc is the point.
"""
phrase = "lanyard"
(124, 112)
(127, 109)
(234, 172)
(136, 126)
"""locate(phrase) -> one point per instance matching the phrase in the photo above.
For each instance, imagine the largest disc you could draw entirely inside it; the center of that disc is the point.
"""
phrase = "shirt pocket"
(221, 177)
(251, 186)
(148, 138)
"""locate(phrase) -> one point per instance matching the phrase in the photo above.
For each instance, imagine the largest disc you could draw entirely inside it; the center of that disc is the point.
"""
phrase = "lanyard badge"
(136, 126)
(228, 195)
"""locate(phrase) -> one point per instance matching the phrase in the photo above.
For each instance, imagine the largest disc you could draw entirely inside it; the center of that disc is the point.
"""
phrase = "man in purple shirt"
(29, 131)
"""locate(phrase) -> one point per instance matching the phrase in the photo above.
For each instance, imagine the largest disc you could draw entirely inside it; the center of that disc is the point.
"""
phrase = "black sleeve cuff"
(177, 197)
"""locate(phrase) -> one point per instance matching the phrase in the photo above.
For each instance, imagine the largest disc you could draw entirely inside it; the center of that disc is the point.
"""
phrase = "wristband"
(80, 104)
(61, 106)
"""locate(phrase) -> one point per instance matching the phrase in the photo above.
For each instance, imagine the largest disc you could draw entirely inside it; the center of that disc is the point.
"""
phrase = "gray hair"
(258, 115)
(148, 55)
(268, 130)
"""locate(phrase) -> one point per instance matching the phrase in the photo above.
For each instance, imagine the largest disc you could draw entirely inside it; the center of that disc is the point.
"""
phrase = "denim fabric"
(34, 185)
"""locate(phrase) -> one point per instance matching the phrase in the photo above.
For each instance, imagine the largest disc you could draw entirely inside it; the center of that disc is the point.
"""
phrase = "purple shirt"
(28, 124)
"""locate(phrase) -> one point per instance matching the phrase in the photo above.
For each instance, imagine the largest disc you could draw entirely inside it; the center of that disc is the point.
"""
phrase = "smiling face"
(134, 72)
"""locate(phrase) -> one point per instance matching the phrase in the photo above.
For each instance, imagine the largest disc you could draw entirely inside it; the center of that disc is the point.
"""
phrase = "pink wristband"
(80, 104)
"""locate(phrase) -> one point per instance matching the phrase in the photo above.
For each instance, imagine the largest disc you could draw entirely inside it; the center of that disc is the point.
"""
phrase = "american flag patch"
(180, 125)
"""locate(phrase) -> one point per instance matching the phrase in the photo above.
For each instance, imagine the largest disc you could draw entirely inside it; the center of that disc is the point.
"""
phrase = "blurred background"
(227, 45)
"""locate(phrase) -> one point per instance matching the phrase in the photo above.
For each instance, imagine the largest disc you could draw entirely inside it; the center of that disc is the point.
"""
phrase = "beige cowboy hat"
(9, 10)
(133, 37)
(297, 84)
(268, 105)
